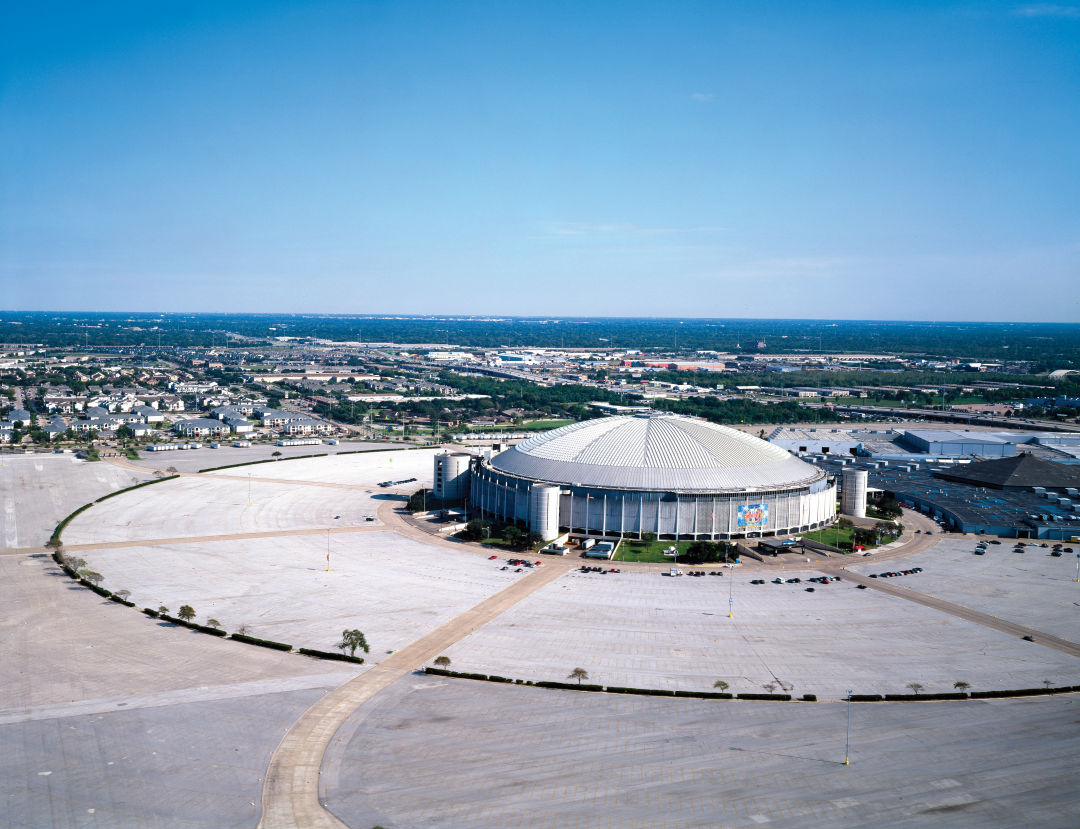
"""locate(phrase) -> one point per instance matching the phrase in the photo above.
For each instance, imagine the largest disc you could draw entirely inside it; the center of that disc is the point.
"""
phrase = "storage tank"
(853, 492)
(544, 511)
(452, 476)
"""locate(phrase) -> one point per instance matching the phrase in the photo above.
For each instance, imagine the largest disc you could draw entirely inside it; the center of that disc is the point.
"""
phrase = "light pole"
(1078, 567)
(730, 599)
(847, 736)
(327, 549)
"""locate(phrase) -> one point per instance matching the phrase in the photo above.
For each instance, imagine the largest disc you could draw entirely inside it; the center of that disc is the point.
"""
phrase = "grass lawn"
(830, 535)
(539, 425)
(509, 548)
(534, 426)
(652, 551)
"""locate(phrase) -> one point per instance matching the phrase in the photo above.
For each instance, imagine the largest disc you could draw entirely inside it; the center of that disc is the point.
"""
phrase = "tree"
(162, 610)
(513, 536)
(186, 613)
(122, 594)
(213, 623)
(417, 501)
(91, 576)
(75, 563)
(124, 434)
(915, 686)
(578, 674)
(648, 538)
(1047, 683)
(442, 661)
(275, 454)
(351, 640)
(476, 530)
(723, 686)
(703, 552)
(960, 685)
(769, 686)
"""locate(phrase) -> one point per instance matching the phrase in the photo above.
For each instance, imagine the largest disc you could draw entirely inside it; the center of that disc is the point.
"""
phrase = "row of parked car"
(892, 574)
(797, 580)
(519, 563)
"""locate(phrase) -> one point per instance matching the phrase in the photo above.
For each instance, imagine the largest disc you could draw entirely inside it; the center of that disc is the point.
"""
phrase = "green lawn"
(652, 551)
(534, 426)
(502, 544)
(831, 536)
(539, 425)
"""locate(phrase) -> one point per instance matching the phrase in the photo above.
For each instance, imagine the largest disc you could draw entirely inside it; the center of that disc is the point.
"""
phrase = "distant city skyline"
(909, 161)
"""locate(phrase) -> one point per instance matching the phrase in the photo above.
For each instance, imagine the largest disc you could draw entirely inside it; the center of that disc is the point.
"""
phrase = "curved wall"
(611, 511)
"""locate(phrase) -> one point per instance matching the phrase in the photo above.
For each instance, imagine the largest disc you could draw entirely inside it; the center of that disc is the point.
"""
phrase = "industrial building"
(677, 477)
(1021, 496)
(925, 444)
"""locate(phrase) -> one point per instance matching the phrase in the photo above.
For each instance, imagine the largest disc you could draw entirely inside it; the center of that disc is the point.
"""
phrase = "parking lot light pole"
(847, 736)
(1078, 567)
(730, 600)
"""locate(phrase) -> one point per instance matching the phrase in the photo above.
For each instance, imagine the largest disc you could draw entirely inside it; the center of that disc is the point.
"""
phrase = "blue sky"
(824, 160)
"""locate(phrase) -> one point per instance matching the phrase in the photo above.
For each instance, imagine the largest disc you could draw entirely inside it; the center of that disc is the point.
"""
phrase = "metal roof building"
(666, 474)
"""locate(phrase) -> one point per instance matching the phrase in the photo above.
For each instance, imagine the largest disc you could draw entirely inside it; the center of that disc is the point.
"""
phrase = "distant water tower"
(853, 492)
(452, 476)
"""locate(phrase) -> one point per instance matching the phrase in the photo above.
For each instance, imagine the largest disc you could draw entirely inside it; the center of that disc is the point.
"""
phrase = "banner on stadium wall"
(753, 515)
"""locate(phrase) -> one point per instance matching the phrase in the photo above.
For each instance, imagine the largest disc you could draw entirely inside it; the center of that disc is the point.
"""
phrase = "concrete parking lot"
(192, 460)
(392, 588)
(205, 505)
(431, 752)
(1032, 588)
(111, 718)
(650, 630)
(37, 491)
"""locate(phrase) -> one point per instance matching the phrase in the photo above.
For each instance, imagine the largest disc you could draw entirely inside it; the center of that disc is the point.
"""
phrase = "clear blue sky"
(765, 159)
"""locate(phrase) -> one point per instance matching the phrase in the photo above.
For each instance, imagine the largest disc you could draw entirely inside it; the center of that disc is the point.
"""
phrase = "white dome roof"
(655, 452)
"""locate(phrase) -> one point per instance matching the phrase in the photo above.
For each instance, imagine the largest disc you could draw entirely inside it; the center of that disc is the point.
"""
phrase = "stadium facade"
(674, 476)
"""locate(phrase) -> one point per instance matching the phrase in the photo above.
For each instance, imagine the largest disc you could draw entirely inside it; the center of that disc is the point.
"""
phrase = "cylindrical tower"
(544, 511)
(452, 476)
(853, 492)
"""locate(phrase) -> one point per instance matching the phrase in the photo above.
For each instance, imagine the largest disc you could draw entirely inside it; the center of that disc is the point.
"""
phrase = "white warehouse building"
(677, 477)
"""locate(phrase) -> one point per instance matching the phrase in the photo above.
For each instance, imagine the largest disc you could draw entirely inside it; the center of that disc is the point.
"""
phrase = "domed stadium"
(677, 477)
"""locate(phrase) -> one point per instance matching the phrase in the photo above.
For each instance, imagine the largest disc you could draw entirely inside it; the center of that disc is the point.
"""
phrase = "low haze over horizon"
(909, 161)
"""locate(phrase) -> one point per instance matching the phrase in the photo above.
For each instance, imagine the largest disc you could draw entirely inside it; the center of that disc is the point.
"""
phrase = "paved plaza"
(111, 718)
